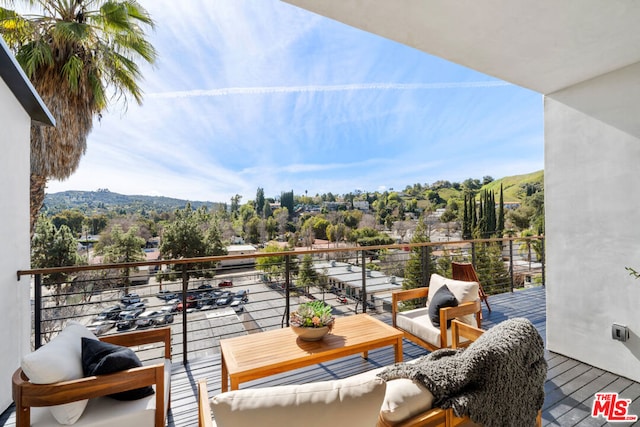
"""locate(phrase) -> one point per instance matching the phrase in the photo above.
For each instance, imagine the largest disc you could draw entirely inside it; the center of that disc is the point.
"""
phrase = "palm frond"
(72, 71)
(138, 45)
(97, 89)
(34, 55)
(70, 32)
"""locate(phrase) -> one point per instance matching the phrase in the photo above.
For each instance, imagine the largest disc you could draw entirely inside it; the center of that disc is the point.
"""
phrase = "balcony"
(353, 280)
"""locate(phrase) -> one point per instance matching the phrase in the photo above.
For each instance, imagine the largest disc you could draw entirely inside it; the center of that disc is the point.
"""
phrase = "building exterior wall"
(14, 238)
(592, 205)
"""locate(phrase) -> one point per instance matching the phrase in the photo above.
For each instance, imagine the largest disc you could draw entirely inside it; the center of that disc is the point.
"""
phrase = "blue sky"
(259, 93)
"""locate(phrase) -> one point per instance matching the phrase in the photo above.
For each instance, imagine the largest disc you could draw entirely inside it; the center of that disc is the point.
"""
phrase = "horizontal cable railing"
(204, 300)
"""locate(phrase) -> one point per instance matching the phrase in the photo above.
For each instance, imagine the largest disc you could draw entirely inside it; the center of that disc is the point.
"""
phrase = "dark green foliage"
(260, 201)
(53, 247)
(286, 201)
(307, 275)
(191, 236)
(500, 223)
(491, 270)
(416, 266)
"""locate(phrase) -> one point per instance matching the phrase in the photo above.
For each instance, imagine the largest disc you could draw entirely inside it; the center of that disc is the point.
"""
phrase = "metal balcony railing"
(212, 298)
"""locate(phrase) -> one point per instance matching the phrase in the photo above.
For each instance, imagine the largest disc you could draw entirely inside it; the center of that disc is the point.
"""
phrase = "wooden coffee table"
(254, 356)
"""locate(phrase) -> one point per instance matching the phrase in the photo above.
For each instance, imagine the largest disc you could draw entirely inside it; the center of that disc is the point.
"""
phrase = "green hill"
(512, 186)
(102, 201)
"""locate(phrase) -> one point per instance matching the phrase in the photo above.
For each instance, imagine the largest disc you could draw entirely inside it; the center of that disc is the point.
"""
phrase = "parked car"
(134, 306)
(153, 317)
(100, 327)
(136, 309)
(224, 300)
(237, 305)
(207, 304)
(242, 295)
(130, 298)
(204, 287)
(341, 299)
(171, 306)
(110, 313)
(128, 321)
(167, 295)
(225, 283)
(190, 303)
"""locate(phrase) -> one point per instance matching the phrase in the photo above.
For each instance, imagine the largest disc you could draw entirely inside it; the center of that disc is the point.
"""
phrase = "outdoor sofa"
(449, 387)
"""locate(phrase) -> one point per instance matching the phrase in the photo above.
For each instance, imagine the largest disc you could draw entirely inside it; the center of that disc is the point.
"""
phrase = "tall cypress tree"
(474, 216)
(482, 219)
(491, 209)
(466, 221)
(500, 224)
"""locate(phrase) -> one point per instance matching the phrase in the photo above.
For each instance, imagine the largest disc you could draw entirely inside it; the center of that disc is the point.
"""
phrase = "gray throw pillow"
(442, 298)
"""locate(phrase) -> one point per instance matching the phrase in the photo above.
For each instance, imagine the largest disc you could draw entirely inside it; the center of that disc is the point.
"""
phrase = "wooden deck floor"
(570, 385)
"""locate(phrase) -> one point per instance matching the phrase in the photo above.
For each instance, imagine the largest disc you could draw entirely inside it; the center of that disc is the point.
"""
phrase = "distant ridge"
(104, 200)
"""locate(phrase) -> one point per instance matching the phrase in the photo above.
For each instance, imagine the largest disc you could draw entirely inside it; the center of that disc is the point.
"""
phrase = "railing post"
(473, 254)
(185, 283)
(542, 261)
(364, 283)
(287, 281)
(511, 262)
(37, 311)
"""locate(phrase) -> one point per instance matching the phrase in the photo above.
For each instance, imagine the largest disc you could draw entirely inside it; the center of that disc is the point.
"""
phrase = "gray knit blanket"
(497, 381)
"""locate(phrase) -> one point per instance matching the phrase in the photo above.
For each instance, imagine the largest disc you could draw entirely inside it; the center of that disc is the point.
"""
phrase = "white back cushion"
(463, 291)
(349, 402)
(60, 360)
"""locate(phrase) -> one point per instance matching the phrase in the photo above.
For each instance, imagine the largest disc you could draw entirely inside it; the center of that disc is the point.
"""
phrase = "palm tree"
(79, 55)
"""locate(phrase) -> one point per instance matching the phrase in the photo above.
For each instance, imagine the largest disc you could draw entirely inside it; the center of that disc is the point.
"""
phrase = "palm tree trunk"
(38, 185)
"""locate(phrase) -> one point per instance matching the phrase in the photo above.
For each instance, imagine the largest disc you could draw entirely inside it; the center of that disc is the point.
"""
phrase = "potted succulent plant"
(312, 321)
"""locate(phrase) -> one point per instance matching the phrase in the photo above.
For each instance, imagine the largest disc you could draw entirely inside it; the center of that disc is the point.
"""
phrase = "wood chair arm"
(204, 409)
(404, 295)
(462, 330)
(86, 388)
(449, 313)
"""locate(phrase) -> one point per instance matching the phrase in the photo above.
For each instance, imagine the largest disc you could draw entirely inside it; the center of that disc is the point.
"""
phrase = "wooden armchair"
(462, 334)
(416, 324)
(27, 395)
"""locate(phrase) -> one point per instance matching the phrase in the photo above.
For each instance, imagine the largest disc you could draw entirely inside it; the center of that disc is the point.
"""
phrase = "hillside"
(98, 201)
(512, 185)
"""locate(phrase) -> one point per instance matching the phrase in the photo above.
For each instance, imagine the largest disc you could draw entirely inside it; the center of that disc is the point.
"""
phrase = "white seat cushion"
(417, 322)
(463, 291)
(108, 412)
(350, 402)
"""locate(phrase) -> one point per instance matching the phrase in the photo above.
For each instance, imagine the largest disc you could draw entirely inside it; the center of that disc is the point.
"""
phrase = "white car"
(100, 327)
(154, 317)
(237, 305)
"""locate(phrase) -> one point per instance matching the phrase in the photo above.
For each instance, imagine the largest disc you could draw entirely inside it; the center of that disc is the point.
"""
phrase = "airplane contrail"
(260, 90)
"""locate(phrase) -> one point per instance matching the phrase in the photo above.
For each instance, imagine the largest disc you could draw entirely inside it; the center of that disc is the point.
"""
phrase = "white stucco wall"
(14, 238)
(592, 202)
